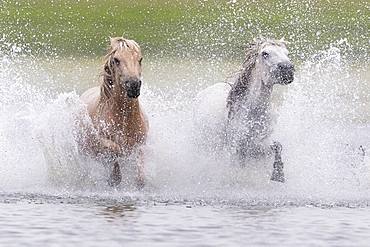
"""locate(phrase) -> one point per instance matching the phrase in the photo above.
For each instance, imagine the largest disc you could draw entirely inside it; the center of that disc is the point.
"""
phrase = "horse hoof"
(140, 183)
(278, 176)
(278, 173)
(115, 179)
(114, 182)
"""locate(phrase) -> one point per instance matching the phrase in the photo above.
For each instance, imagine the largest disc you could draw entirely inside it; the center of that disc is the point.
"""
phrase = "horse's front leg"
(278, 169)
(115, 176)
(140, 179)
(112, 149)
(109, 145)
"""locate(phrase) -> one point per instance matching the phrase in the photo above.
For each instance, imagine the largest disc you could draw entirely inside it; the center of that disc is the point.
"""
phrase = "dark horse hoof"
(115, 177)
(140, 184)
(278, 173)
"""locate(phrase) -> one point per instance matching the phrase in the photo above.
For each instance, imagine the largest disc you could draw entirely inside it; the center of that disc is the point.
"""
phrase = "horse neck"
(256, 93)
(259, 95)
(249, 117)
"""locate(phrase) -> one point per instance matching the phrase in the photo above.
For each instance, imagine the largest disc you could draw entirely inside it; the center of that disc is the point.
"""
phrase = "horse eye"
(265, 55)
(116, 61)
(141, 59)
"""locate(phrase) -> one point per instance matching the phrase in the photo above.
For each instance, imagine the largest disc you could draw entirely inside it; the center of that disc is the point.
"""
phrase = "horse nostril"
(136, 84)
(133, 88)
(286, 67)
(133, 83)
(285, 73)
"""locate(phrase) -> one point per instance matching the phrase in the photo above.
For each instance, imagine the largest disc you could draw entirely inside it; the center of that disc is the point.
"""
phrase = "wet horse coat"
(118, 119)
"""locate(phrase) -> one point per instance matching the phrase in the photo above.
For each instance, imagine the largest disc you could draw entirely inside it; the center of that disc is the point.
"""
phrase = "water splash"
(324, 126)
(321, 123)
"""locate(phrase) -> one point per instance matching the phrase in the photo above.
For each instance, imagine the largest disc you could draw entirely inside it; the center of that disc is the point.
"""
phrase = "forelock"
(131, 44)
(120, 43)
(272, 42)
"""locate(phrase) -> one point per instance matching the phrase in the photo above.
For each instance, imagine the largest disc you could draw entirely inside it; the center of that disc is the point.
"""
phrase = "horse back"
(210, 114)
(211, 103)
(91, 99)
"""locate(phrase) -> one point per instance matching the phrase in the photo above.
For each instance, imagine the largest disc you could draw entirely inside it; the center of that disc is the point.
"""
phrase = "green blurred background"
(213, 29)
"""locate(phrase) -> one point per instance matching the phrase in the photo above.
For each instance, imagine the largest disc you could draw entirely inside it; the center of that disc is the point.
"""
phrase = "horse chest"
(253, 123)
(126, 133)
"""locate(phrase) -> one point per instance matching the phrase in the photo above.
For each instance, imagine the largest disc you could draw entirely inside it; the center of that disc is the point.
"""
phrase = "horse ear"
(282, 40)
(259, 38)
(111, 40)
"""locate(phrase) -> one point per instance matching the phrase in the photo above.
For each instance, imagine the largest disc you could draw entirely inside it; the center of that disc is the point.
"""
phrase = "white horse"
(236, 114)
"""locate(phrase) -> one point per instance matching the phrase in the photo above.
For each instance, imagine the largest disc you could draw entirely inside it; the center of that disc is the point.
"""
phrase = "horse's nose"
(286, 67)
(133, 88)
(133, 83)
(285, 73)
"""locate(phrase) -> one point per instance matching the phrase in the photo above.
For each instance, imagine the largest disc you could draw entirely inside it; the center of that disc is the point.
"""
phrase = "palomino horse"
(120, 125)
(237, 113)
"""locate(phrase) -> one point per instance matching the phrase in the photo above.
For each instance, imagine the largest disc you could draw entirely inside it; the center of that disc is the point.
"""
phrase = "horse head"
(122, 68)
(273, 63)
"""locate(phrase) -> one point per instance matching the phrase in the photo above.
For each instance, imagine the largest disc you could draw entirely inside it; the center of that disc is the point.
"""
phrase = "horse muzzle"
(285, 73)
(133, 88)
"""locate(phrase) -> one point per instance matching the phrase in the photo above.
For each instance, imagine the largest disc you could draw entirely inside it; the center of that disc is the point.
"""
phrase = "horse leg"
(140, 179)
(251, 151)
(277, 173)
(115, 176)
(109, 145)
